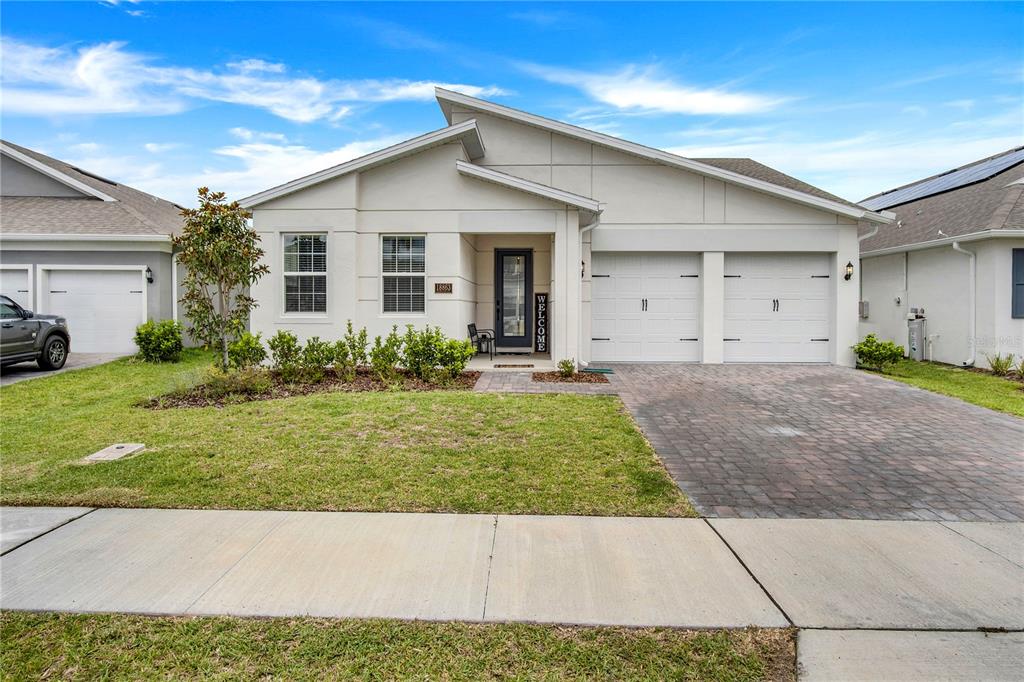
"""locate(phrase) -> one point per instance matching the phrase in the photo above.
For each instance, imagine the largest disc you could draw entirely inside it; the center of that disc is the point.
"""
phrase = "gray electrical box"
(917, 329)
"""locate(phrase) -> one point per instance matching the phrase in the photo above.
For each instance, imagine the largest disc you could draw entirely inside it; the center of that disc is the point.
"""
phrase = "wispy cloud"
(645, 89)
(160, 147)
(107, 78)
(544, 18)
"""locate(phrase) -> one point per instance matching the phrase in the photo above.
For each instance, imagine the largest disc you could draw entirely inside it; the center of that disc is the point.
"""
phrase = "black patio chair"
(483, 339)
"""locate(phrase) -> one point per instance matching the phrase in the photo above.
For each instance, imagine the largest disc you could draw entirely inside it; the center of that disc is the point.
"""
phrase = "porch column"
(566, 304)
(712, 307)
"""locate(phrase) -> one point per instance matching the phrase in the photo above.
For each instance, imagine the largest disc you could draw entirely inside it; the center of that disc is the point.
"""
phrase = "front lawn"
(995, 393)
(53, 646)
(392, 451)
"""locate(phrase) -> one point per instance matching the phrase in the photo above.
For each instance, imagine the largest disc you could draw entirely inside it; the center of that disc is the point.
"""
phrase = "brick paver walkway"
(810, 441)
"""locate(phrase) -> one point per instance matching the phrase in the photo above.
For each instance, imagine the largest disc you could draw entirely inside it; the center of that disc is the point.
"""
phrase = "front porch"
(506, 362)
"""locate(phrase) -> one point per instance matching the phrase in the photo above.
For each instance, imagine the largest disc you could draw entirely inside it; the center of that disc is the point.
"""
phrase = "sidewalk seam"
(284, 517)
(60, 525)
(490, 563)
(749, 572)
(970, 539)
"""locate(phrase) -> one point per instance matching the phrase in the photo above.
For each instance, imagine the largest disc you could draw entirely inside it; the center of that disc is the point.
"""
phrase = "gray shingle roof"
(133, 213)
(759, 171)
(993, 204)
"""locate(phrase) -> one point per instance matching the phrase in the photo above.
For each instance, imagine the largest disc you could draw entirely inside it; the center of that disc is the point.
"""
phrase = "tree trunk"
(223, 329)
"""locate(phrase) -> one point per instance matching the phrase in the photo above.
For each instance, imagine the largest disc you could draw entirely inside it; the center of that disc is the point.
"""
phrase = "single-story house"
(91, 249)
(956, 251)
(566, 242)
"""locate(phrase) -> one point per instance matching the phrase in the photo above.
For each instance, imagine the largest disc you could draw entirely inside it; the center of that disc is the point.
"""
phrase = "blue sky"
(853, 97)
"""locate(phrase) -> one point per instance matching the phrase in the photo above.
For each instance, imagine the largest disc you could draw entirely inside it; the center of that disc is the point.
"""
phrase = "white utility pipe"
(969, 362)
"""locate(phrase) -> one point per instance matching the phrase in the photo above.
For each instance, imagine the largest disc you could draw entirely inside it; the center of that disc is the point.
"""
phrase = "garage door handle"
(689, 339)
(819, 339)
(134, 291)
(730, 339)
(732, 276)
(58, 291)
(689, 275)
(820, 276)
(596, 338)
(594, 276)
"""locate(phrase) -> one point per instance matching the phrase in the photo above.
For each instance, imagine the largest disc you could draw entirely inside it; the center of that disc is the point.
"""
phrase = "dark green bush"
(246, 351)
(1000, 364)
(159, 341)
(432, 357)
(567, 367)
(249, 381)
(357, 344)
(286, 355)
(317, 356)
(876, 354)
(386, 355)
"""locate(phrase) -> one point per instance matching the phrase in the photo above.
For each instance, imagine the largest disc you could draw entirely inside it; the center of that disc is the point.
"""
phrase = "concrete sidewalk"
(924, 586)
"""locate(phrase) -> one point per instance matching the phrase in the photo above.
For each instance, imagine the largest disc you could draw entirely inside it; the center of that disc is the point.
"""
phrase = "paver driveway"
(811, 441)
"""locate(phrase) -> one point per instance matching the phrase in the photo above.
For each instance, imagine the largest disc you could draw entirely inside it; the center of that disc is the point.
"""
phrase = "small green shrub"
(567, 367)
(357, 344)
(159, 341)
(430, 356)
(343, 364)
(249, 381)
(877, 354)
(453, 356)
(1001, 364)
(1019, 369)
(386, 355)
(286, 355)
(317, 356)
(246, 351)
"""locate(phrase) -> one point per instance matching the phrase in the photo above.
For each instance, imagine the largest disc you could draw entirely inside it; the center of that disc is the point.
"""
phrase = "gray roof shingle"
(133, 213)
(759, 171)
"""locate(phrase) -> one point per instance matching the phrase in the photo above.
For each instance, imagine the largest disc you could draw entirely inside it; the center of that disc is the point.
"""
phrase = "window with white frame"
(403, 274)
(305, 273)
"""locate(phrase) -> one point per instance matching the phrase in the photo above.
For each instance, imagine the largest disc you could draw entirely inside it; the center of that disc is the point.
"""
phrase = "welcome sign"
(540, 334)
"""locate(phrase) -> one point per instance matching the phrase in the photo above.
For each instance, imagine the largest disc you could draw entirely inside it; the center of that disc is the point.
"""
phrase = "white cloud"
(964, 105)
(643, 88)
(915, 110)
(247, 135)
(107, 78)
(160, 147)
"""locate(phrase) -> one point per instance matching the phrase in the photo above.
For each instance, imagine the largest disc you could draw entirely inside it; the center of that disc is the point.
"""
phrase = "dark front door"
(513, 297)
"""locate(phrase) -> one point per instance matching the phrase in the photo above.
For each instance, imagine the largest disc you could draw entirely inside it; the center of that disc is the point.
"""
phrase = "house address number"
(442, 287)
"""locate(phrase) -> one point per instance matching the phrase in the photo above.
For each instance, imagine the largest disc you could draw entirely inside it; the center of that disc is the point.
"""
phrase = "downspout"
(860, 263)
(583, 231)
(970, 303)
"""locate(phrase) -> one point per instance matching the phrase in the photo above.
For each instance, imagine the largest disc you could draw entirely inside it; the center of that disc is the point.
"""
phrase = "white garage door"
(103, 307)
(14, 283)
(645, 306)
(777, 307)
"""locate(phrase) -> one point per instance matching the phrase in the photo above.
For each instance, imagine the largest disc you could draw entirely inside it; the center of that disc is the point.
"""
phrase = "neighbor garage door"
(777, 307)
(645, 307)
(103, 307)
(14, 282)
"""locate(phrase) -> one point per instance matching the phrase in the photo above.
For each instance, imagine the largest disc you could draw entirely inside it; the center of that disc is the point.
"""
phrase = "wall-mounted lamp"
(849, 272)
(149, 274)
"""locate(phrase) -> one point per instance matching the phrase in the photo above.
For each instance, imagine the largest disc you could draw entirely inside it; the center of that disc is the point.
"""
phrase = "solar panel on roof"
(946, 182)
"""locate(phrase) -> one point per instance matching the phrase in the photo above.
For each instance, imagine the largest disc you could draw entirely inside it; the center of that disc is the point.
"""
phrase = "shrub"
(286, 354)
(1020, 368)
(317, 355)
(246, 351)
(357, 344)
(877, 354)
(453, 356)
(386, 355)
(159, 341)
(430, 356)
(343, 364)
(247, 381)
(567, 367)
(1000, 364)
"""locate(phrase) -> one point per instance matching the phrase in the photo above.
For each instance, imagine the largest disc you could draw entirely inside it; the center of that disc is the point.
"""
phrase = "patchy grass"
(54, 646)
(986, 390)
(393, 451)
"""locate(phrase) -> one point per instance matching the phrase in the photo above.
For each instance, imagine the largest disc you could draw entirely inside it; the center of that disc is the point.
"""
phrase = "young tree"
(221, 255)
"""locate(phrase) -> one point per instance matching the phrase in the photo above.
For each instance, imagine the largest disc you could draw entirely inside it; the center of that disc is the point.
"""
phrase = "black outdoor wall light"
(849, 271)
(149, 275)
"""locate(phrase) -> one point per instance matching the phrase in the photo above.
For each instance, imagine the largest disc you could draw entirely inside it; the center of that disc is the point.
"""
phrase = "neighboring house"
(91, 249)
(957, 251)
(642, 254)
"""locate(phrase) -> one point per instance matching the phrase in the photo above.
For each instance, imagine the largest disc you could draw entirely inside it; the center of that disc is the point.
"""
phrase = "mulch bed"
(577, 378)
(365, 380)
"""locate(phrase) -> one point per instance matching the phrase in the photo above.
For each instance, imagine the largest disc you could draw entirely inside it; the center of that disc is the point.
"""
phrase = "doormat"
(513, 366)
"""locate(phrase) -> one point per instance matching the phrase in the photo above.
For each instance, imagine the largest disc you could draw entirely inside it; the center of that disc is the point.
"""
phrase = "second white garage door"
(777, 307)
(645, 306)
(103, 307)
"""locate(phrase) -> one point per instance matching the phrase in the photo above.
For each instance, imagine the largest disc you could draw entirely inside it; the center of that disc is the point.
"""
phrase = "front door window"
(514, 290)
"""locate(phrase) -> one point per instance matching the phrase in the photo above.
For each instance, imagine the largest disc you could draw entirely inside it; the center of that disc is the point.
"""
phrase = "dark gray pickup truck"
(25, 336)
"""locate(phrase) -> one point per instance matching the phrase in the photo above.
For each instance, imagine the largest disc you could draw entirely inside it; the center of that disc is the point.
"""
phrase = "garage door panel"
(103, 307)
(761, 331)
(14, 283)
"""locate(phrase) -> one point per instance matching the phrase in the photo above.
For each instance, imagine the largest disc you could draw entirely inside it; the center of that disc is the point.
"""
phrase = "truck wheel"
(55, 353)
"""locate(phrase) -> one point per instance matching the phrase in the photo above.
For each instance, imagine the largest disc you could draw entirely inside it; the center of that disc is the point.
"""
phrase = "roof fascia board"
(946, 241)
(466, 132)
(55, 174)
(528, 186)
(447, 98)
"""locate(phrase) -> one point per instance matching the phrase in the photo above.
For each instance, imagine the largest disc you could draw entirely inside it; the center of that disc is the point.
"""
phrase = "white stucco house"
(956, 251)
(640, 254)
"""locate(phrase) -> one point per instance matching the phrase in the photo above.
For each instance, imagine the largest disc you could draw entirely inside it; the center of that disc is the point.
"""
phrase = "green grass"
(995, 393)
(52, 646)
(393, 451)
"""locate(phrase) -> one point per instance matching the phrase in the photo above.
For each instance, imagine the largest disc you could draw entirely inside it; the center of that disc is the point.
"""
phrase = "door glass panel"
(513, 295)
